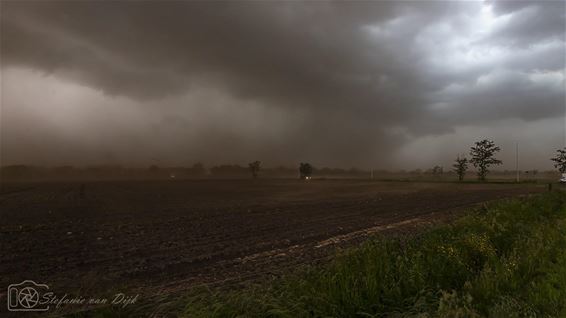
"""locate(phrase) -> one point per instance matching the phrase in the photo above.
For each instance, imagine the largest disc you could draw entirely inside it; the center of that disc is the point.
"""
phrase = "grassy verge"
(505, 260)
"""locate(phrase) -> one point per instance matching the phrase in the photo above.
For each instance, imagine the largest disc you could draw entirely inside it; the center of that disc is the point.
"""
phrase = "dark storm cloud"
(367, 75)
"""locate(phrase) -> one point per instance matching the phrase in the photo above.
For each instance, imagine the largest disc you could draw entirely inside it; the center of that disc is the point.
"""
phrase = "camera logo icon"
(26, 296)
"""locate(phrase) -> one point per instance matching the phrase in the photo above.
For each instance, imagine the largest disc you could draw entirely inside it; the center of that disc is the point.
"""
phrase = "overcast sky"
(379, 84)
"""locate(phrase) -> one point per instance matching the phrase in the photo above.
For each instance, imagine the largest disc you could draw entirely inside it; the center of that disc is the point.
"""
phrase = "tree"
(255, 167)
(305, 170)
(228, 171)
(483, 156)
(437, 170)
(560, 160)
(198, 169)
(460, 167)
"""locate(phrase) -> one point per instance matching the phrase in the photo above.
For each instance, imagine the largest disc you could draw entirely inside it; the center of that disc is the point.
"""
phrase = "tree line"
(482, 156)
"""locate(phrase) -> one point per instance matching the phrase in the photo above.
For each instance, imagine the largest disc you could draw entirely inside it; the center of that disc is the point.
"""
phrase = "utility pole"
(372, 174)
(517, 162)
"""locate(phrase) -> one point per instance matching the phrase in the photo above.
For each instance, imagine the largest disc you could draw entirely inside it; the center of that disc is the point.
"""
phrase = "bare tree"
(254, 168)
(460, 167)
(560, 160)
(483, 156)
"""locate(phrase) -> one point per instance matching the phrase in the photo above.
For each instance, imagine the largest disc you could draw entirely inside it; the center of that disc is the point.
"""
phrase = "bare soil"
(165, 236)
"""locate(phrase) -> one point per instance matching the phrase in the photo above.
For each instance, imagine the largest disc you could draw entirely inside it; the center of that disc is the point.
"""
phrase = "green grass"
(507, 259)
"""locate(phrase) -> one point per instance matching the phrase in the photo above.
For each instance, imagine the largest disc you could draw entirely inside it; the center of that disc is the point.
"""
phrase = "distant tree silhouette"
(460, 167)
(437, 170)
(305, 170)
(560, 160)
(483, 156)
(228, 171)
(198, 169)
(254, 168)
(18, 171)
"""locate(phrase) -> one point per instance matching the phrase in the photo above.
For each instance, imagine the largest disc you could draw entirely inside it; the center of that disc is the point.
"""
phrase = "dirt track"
(173, 235)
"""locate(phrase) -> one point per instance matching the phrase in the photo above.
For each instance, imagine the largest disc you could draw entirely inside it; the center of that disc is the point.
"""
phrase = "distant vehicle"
(563, 178)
